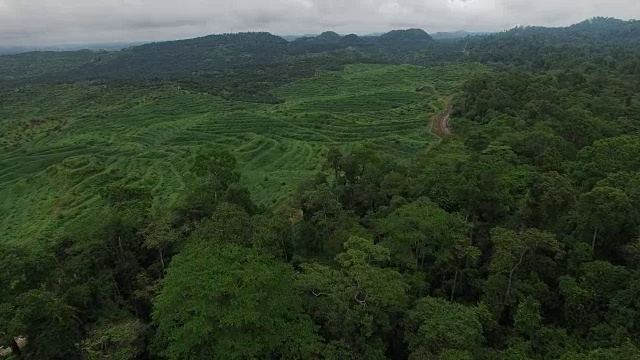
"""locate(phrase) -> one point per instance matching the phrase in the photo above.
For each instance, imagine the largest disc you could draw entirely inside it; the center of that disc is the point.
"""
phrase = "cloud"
(34, 22)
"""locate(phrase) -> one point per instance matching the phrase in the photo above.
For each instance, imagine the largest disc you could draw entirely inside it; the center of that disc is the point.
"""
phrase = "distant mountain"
(327, 41)
(220, 64)
(329, 36)
(455, 35)
(602, 25)
(295, 37)
(352, 40)
(11, 50)
(248, 65)
(589, 28)
(599, 40)
(406, 36)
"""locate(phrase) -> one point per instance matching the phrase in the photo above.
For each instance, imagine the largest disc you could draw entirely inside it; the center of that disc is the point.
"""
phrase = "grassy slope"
(33, 64)
(60, 144)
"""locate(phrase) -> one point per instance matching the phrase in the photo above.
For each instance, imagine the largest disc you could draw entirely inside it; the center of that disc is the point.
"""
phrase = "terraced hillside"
(60, 143)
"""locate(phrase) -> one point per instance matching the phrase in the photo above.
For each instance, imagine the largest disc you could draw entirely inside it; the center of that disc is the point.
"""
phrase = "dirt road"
(440, 123)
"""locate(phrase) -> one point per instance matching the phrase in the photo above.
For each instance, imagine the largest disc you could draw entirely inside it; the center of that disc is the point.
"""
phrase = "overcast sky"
(43, 22)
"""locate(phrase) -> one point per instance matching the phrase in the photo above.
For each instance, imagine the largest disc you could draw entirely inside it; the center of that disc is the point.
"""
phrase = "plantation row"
(82, 136)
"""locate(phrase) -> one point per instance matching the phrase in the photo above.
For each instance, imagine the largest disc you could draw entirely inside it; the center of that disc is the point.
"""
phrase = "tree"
(527, 320)
(606, 211)
(334, 156)
(435, 329)
(422, 236)
(120, 339)
(608, 156)
(212, 173)
(624, 351)
(274, 233)
(550, 198)
(580, 307)
(358, 303)
(229, 302)
(159, 235)
(49, 325)
(629, 182)
(514, 254)
(482, 187)
(543, 149)
(24, 306)
(229, 224)
(322, 215)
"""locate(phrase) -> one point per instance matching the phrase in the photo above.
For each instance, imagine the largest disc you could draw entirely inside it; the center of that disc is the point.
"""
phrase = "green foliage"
(49, 324)
(438, 329)
(119, 340)
(356, 304)
(125, 140)
(512, 267)
(129, 230)
(229, 302)
(423, 237)
(606, 208)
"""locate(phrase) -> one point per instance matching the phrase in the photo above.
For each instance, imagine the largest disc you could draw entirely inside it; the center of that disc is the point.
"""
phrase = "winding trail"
(439, 127)
(440, 123)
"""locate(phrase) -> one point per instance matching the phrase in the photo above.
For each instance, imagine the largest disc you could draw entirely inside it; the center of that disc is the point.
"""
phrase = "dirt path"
(440, 123)
(440, 127)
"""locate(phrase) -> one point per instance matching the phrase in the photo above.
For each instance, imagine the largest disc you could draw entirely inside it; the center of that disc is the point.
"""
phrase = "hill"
(239, 196)
(329, 36)
(596, 41)
(453, 35)
(55, 135)
(404, 38)
(219, 64)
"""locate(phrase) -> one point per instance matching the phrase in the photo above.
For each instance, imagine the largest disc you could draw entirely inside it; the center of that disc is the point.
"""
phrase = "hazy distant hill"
(327, 41)
(248, 65)
(406, 36)
(329, 36)
(293, 37)
(455, 35)
(222, 64)
(411, 39)
(597, 40)
(11, 50)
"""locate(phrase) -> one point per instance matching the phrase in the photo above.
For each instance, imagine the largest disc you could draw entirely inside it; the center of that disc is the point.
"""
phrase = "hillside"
(219, 64)
(593, 41)
(392, 197)
(129, 127)
(452, 35)
(406, 36)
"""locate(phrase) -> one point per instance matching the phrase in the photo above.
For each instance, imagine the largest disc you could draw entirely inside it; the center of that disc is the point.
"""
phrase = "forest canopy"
(239, 196)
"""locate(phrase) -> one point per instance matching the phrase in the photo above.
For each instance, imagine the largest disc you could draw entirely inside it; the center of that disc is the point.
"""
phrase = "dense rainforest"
(516, 235)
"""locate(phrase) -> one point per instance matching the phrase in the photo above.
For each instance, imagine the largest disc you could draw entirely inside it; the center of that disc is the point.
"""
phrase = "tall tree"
(358, 303)
(436, 329)
(606, 212)
(424, 237)
(517, 255)
(229, 302)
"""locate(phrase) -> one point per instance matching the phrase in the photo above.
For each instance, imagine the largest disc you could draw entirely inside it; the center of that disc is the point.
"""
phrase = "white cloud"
(63, 21)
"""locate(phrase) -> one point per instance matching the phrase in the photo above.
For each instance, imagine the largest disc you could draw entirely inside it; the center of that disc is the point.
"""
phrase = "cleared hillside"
(59, 144)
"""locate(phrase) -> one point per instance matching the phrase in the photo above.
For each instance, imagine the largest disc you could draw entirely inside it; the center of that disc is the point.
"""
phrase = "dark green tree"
(229, 302)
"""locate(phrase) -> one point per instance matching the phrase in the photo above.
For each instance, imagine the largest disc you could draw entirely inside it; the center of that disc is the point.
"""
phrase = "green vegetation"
(315, 216)
(61, 143)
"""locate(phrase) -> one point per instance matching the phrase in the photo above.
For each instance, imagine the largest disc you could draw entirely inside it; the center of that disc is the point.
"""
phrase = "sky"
(49, 22)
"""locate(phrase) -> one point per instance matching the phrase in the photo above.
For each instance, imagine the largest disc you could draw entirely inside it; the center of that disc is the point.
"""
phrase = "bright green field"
(57, 143)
